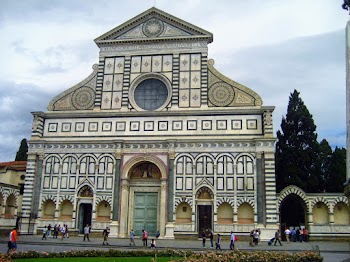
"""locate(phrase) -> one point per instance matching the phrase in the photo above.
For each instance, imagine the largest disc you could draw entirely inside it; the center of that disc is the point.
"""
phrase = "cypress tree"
(297, 149)
(22, 151)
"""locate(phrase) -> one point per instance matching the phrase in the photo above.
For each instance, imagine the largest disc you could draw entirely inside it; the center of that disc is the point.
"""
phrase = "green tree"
(297, 149)
(22, 151)
(325, 157)
(336, 175)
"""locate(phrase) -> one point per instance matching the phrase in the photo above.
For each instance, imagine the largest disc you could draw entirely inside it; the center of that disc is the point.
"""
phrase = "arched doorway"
(85, 196)
(293, 213)
(204, 198)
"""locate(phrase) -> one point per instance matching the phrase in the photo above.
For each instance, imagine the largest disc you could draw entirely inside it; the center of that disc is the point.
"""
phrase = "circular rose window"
(151, 94)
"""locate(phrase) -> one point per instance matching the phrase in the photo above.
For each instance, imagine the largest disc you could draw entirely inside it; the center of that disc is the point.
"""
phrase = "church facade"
(154, 138)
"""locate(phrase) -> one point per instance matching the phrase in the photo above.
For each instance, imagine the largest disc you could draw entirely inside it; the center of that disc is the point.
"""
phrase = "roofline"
(157, 11)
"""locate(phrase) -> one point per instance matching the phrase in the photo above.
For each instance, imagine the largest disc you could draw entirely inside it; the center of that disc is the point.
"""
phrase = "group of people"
(296, 235)
(144, 238)
(254, 237)
(57, 230)
(209, 234)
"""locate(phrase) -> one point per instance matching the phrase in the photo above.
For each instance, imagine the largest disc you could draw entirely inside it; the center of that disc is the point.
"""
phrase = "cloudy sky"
(271, 46)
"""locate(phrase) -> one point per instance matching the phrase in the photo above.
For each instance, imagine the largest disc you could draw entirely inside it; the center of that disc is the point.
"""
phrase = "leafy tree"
(336, 175)
(297, 149)
(22, 151)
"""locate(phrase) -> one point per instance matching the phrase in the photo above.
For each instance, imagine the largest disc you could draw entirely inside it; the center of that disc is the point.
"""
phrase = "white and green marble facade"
(210, 134)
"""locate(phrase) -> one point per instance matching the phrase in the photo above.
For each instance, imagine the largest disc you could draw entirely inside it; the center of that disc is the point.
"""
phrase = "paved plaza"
(332, 251)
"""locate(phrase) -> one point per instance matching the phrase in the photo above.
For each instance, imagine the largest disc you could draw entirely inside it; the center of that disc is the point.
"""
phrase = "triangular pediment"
(154, 25)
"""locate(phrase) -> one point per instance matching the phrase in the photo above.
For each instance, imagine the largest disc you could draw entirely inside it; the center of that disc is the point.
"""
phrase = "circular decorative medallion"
(83, 98)
(153, 27)
(221, 94)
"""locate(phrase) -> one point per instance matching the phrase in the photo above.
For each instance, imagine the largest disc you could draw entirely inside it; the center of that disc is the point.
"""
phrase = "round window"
(151, 94)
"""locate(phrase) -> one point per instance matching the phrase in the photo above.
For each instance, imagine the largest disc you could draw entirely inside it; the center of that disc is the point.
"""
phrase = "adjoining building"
(12, 175)
(157, 139)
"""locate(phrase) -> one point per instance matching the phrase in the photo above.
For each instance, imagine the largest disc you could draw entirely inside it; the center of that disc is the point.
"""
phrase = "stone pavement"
(122, 243)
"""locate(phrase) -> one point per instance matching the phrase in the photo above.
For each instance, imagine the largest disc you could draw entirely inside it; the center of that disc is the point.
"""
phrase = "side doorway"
(85, 214)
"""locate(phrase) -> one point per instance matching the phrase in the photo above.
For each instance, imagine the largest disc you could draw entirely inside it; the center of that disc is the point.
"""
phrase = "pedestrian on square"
(232, 241)
(251, 238)
(287, 232)
(278, 237)
(44, 233)
(13, 240)
(49, 227)
(218, 243)
(67, 233)
(105, 236)
(63, 231)
(153, 243)
(132, 237)
(204, 237)
(294, 235)
(211, 237)
(55, 231)
(144, 237)
(86, 232)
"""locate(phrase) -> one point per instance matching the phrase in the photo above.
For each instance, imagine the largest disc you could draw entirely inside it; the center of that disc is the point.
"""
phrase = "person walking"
(204, 237)
(211, 237)
(105, 236)
(49, 227)
(13, 240)
(132, 237)
(144, 237)
(63, 231)
(232, 241)
(44, 233)
(278, 237)
(287, 232)
(86, 232)
(218, 243)
(55, 231)
(67, 233)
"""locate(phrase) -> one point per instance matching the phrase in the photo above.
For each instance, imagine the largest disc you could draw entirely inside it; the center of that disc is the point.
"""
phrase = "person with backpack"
(232, 241)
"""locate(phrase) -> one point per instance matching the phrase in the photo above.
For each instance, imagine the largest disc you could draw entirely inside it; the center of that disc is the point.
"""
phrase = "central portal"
(204, 218)
(145, 212)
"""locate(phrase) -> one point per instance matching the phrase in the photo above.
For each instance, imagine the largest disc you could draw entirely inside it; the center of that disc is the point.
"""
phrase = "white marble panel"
(106, 100)
(195, 62)
(229, 185)
(118, 82)
(107, 83)
(100, 182)
(64, 182)
(250, 183)
(54, 182)
(195, 80)
(195, 97)
(71, 182)
(179, 183)
(184, 81)
(46, 182)
(188, 183)
(146, 65)
(157, 63)
(119, 65)
(136, 64)
(109, 65)
(184, 62)
(184, 98)
(109, 182)
(167, 63)
(117, 100)
(220, 185)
